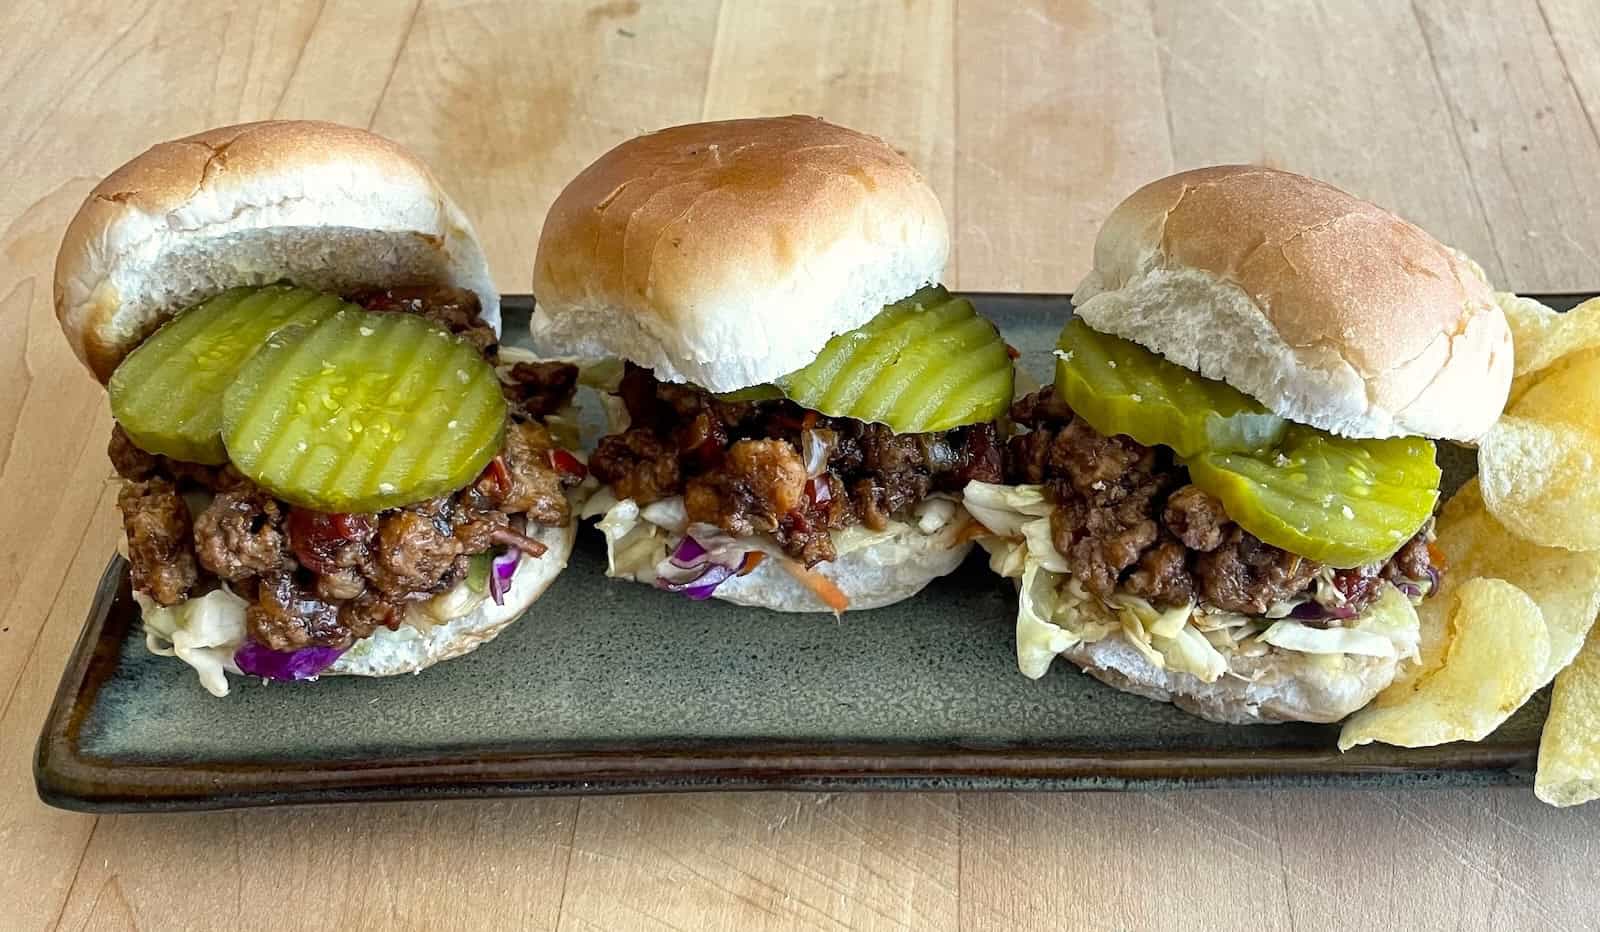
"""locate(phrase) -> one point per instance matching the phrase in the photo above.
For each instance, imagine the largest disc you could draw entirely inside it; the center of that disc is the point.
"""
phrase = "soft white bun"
(409, 650)
(726, 254)
(879, 574)
(1331, 311)
(321, 205)
(1280, 686)
(881, 570)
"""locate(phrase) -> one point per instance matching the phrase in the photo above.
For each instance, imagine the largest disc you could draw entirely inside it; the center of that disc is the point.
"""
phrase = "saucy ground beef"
(322, 579)
(158, 526)
(773, 467)
(1126, 518)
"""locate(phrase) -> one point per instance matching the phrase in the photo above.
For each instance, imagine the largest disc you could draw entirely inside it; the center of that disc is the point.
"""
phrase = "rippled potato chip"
(1563, 583)
(1567, 392)
(1523, 584)
(1461, 525)
(1542, 336)
(1569, 749)
(1522, 384)
(1539, 480)
(1496, 654)
(1531, 323)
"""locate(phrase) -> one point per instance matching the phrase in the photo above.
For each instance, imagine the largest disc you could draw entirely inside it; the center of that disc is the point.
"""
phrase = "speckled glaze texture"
(609, 686)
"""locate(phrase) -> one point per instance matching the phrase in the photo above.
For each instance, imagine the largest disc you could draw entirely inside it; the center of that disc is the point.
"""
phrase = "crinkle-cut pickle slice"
(926, 363)
(1120, 387)
(364, 412)
(167, 394)
(1337, 501)
(766, 391)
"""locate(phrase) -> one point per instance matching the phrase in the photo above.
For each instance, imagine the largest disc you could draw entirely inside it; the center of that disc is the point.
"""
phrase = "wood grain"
(1476, 119)
(468, 865)
(507, 122)
(781, 861)
(1302, 859)
(885, 68)
(1528, 143)
(1342, 91)
(1060, 116)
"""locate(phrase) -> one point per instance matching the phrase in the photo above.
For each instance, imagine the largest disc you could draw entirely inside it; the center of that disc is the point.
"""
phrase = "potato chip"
(1461, 527)
(1433, 621)
(1539, 481)
(1569, 749)
(1497, 651)
(1542, 336)
(1567, 392)
(1563, 583)
(1531, 322)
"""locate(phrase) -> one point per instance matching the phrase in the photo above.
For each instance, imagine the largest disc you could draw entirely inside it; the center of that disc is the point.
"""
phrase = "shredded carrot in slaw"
(972, 531)
(822, 586)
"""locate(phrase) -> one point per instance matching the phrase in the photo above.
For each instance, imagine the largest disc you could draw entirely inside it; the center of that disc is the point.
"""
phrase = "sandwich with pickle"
(799, 404)
(327, 466)
(1225, 499)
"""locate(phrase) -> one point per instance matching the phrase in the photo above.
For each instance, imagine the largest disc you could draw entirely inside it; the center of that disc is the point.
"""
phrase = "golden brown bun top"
(170, 173)
(320, 204)
(727, 253)
(1330, 310)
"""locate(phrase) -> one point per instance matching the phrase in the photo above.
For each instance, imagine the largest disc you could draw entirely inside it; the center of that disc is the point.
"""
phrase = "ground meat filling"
(1127, 519)
(157, 523)
(773, 467)
(317, 579)
(241, 535)
(130, 462)
(539, 389)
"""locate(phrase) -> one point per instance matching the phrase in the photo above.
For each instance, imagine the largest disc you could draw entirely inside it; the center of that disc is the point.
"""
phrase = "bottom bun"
(1219, 665)
(207, 631)
(411, 650)
(1281, 686)
(872, 568)
(876, 575)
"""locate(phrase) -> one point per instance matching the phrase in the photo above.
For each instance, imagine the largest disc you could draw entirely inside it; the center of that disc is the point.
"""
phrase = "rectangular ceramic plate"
(613, 687)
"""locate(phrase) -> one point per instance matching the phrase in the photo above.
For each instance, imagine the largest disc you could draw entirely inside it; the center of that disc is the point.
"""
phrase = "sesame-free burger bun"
(726, 254)
(899, 564)
(322, 205)
(1281, 686)
(1331, 311)
(875, 576)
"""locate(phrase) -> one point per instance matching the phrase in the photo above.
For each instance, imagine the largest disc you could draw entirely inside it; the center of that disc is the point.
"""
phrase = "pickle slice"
(1337, 501)
(1120, 387)
(924, 364)
(766, 391)
(478, 569)
(364, 412)
(167, 394)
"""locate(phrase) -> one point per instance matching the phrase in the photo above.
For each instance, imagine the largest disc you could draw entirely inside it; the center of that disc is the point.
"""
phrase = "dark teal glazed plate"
(612, 687)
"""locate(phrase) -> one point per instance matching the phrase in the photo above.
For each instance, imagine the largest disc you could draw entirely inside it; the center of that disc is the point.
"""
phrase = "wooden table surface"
(1475, 118)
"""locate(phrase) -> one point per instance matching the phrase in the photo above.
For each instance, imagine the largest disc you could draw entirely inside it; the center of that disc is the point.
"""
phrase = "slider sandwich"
(1226, 498)
(800, 403)
(327, 466)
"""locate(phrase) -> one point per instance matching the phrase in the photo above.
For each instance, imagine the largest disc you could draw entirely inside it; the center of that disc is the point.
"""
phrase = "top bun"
(322, 205)
(1331, 311)
(726, 254)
